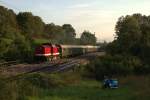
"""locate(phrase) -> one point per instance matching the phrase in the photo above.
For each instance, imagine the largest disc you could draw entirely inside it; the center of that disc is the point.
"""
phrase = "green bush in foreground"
(28, 85)
(116, 66)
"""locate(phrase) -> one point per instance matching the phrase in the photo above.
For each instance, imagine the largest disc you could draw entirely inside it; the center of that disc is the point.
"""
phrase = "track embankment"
(50, 67)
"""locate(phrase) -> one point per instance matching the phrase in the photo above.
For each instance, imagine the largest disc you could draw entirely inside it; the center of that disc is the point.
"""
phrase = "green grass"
(84, 91)
(72, 86)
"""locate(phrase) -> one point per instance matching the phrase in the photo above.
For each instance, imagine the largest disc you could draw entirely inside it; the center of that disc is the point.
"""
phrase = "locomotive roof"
(79, 46)
(46, 45)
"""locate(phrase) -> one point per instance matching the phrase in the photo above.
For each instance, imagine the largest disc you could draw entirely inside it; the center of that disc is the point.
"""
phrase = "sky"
(96, 16)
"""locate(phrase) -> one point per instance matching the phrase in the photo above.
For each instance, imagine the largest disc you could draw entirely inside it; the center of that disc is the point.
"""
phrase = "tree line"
(129, 53)
(18, 32)
(132, 37)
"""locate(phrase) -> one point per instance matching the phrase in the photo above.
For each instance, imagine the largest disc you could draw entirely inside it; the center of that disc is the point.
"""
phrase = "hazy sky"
(97, 16)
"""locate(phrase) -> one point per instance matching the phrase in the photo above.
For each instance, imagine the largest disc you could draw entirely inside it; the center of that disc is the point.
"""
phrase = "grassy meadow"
(72, 86)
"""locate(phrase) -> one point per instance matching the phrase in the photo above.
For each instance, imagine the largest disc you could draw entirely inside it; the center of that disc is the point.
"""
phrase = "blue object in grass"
(111, 83)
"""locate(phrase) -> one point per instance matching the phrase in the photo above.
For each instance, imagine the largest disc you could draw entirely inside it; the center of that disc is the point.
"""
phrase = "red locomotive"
(47, 52)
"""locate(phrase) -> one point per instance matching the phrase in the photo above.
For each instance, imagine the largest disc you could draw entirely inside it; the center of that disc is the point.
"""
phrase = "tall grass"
(72, 86)
(139, 85)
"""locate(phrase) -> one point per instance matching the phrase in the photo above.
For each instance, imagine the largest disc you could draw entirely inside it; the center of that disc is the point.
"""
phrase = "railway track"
(9, 63)
(48, 69)
(55, 66)
(61, 67)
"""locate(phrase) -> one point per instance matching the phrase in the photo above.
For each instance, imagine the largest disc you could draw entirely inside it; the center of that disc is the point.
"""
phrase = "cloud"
(83, 5)
(79, 6)
(94, 19)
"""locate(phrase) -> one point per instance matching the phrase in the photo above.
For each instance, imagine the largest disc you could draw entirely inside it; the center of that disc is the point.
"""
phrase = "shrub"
(116, 66)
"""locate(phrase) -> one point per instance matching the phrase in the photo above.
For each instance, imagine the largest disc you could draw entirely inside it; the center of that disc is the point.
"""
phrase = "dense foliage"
(132, 37)
(12, 43)
(18, 33)
(88, 38)
(117, 65)
(129, 53)
(29, 24)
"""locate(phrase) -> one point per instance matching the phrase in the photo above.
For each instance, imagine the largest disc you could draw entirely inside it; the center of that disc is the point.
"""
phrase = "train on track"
(49, 51)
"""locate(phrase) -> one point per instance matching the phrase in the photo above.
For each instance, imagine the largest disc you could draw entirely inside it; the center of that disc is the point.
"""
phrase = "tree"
(69, 34)
(19, 49)
(88, 38)
(70, 31)
(132, 37)
(8, 28)
(55, 33)
(13, 44)
(128, 34)
(60, 34)
(30, 25)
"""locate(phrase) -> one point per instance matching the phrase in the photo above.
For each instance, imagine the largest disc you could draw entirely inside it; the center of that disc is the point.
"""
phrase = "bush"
(116, 66)
(28, 85)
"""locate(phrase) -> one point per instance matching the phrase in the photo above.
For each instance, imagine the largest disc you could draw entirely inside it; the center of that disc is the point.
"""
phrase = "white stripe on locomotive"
(49, 54)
